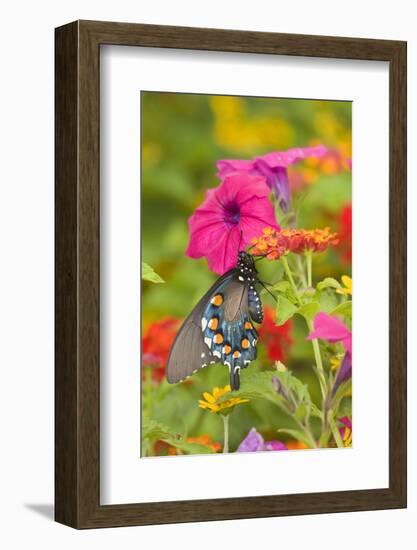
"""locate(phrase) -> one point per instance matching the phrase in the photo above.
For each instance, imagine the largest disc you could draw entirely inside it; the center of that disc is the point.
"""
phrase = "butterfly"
(220, 328)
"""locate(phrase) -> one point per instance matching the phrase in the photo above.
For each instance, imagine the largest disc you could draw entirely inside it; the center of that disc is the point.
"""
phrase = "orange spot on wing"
(217, 300)
(218, 338)
(245, 343)
(213, 323)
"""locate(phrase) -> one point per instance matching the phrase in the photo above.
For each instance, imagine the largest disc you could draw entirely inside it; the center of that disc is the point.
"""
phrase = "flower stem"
(225, 432)
(301, 271)
(335, 431)
(291, 278)
(319, 363)
(309, 258)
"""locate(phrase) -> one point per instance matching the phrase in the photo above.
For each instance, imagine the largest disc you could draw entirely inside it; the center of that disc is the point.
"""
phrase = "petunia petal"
(331, 329)
(229, 166)
(286, 158)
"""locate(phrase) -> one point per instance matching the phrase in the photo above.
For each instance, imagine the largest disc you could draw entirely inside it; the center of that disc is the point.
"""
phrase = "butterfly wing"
(218, 330)
(189, 352)
(227, 328)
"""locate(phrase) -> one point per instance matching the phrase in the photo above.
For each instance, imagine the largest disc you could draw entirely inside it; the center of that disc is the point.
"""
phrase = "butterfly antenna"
(240, 240)
(267, 289)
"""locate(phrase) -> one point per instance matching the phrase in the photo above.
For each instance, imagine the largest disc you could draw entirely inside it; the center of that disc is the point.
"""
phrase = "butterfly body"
(220, 329)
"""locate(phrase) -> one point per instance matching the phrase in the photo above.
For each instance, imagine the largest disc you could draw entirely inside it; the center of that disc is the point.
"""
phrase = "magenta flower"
(273, 166)
(346, 431)
(331, 329)
(230, 216)
(254, 442)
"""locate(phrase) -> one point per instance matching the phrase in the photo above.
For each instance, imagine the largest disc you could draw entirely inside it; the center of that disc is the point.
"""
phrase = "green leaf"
(328, 300)
(328, 282)
(281, 286)
(189, 448)
(148, 274)
(284, 310)
(345, 308)
(296, 434)
(308, 311)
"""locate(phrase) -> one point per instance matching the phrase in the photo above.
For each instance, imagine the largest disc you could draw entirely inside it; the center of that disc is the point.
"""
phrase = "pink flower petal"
(331, 329)
(286, 158)
(229, 166)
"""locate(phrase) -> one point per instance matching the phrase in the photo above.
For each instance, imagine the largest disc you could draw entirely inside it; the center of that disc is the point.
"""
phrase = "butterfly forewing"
(219, 329)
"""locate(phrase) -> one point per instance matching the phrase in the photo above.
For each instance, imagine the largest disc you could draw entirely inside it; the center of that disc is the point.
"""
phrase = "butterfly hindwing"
(227, 328)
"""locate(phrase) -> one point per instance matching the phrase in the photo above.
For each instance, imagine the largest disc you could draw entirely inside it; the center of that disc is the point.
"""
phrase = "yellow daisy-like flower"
(214, 403)
(347, 282)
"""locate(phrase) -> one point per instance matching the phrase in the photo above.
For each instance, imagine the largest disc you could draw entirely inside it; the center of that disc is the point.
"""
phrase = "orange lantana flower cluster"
(273, 243)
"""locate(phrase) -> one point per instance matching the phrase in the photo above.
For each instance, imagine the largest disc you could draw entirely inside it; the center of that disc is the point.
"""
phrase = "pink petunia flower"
(230, 216)
(273, 166)
(331, 329)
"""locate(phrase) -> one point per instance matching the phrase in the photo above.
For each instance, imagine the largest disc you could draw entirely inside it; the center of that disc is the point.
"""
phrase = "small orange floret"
(273, 244)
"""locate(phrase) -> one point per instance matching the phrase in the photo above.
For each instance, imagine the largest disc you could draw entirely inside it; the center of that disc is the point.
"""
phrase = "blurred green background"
(182, 137)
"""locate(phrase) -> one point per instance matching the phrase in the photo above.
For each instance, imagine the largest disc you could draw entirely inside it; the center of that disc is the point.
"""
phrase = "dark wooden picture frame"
(77, 374)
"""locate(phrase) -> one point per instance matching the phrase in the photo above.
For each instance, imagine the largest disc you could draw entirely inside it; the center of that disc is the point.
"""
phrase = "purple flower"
(254, 442)
(230, 216)
(273, 166)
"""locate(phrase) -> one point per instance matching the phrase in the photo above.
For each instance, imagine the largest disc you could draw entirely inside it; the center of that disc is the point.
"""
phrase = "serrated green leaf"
(308, 311)
(284, 310)
(328, 282)
(344, 308)
(148, 274)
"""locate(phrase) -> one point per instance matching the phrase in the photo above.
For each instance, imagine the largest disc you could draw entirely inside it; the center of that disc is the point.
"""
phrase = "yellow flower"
(347, 290)
(347, 437)
(214, 403)
(335, 362)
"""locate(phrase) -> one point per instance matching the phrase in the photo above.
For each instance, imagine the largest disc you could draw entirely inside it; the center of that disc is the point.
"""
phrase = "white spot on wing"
(217, 353)
(203, 324)
(207, 341)
(241, 278)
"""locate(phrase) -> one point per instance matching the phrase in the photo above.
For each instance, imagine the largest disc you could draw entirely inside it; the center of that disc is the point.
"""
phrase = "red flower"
(345, 232)
(277, 340)
(156, 343)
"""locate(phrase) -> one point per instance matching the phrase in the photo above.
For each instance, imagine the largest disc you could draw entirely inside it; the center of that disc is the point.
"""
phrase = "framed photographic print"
(230, 274)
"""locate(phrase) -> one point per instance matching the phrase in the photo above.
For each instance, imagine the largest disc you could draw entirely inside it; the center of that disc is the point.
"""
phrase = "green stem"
(226, 433)
(291, 278)
(335, 431)
(319, 363)
(309, 258)
(308, 434)
(301, 271)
